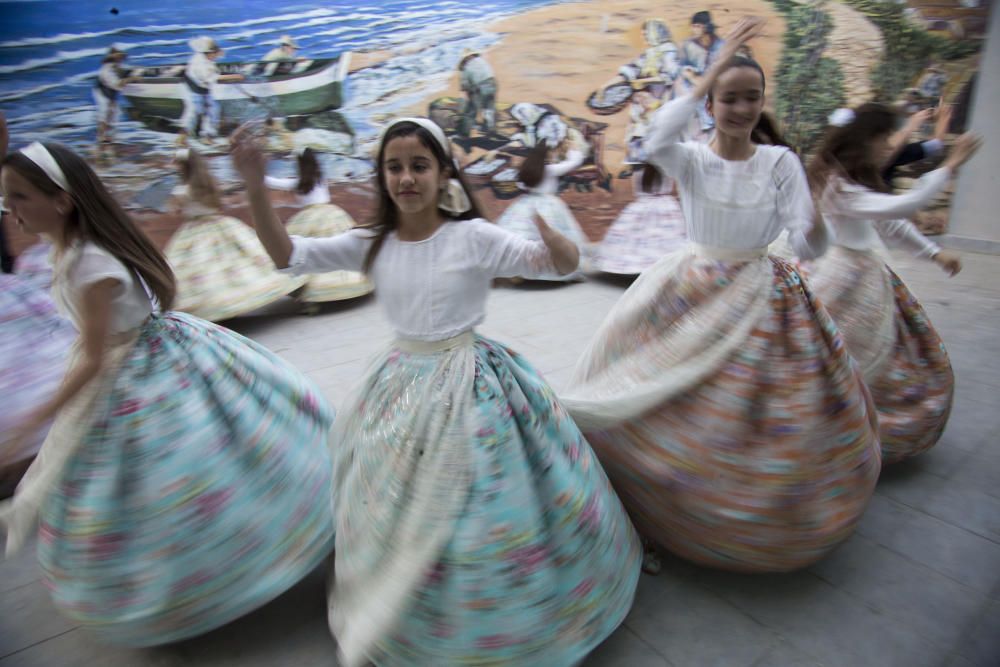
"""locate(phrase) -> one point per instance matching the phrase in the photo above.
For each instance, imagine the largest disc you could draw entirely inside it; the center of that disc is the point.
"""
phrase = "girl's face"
(737, 101)
(413, 177)
(32, 210)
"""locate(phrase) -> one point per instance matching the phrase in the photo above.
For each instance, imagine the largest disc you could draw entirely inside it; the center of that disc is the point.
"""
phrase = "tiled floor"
(918, 585)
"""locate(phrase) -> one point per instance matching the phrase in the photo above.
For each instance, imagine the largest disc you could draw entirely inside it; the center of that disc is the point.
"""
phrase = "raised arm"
(250, 162)
(574, 159)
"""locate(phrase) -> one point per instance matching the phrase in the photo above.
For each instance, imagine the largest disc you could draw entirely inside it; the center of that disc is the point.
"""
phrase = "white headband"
(41, 156)
(453, 199)
(182, 154)
(841, 117)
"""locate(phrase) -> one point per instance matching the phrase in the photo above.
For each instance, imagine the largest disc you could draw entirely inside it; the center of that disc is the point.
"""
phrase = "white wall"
(975, 214)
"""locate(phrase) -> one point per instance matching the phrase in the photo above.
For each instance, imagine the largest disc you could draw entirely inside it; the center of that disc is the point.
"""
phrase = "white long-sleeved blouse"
(553, 172)
(858, 217)
(320, 194)
(432, 289)
(733, 204)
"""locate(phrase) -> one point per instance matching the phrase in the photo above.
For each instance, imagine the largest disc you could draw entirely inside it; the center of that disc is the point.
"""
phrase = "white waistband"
(433, 346)
(727, 254)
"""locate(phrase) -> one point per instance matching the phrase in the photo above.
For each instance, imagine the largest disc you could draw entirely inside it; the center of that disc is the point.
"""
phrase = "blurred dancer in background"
(177, 488)
(220, 268)
(886, 330)
(717, 393)
(474, 524)
(647, 230)
(542, 199)
(319, 218)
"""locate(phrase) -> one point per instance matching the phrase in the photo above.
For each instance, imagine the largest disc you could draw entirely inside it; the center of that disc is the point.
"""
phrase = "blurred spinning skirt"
(319, 221)
(34, 346)
(194, 485)
(222, 269)
(475, 526)
(647, 230)
(900, 354)
(722, 403)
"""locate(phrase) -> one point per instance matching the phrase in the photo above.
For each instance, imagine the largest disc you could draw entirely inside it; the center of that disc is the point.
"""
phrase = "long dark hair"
(652, 179)
(532, 170)
(310, 173)
(97, 217)
(766, 131)
(387, 216)
(847, 150)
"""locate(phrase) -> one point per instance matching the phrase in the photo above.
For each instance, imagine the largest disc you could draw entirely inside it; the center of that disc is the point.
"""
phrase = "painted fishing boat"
(282, 88)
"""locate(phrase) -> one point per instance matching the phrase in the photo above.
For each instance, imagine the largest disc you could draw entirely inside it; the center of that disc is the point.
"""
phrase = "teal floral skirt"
(475, 525)
(200, 489)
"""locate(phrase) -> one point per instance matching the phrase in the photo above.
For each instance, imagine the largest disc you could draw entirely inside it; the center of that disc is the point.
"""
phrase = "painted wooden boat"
(282, 88)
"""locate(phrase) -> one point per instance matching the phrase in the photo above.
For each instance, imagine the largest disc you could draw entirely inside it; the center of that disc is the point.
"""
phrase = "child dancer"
(178, 486)
(542, 199)
(474, 524)
(319, 218)
(718, 393)
(885, 329)
(648, 229)
(220, 268)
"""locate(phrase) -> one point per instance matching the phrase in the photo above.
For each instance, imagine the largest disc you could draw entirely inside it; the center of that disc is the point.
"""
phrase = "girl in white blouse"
(886, 330)
(179, 450)
(319, 218)
(542, 199)
(471, 511)
(717, 393)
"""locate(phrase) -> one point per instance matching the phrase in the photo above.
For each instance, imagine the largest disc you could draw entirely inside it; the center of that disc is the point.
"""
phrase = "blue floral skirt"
(200, 489)
(537, 562)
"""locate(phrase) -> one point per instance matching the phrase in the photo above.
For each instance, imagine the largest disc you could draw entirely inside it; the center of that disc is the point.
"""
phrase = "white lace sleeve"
(664, 140)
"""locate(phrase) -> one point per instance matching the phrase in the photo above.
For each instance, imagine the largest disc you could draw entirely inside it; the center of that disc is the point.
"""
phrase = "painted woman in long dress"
(474, 524)
(903, 359)
(177, 487)
(718, 393)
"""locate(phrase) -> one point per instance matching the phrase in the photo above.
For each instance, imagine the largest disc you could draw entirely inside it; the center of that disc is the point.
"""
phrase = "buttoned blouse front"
(435, 288)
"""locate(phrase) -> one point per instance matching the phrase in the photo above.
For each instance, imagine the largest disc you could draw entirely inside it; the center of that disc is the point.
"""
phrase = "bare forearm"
(269, 229)
(565, 254)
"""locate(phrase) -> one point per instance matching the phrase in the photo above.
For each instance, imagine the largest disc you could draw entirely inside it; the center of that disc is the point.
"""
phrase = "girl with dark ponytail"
(319, 218)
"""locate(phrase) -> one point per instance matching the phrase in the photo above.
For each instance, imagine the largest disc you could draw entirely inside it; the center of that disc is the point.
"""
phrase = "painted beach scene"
(498, 76)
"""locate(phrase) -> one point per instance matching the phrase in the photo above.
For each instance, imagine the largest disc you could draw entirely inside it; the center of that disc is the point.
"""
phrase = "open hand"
(965, 147)
(943, 121)
(745, 29)
(248, 158)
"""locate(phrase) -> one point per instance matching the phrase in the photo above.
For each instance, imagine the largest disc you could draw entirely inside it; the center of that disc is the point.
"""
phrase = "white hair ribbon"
(41, 156)
(454, 199)
(182, 154)
(841, 117)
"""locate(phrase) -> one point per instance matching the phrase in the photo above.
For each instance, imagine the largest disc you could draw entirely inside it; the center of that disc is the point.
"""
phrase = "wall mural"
(120, 81)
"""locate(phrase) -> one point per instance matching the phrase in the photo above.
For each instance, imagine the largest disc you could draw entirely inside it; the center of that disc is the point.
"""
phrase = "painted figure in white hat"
(201, 76)
(285, 51)
(107, 89)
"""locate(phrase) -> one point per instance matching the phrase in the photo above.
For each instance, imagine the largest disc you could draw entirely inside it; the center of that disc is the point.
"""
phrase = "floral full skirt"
(320, 221)
(647, 230)
(519, 218)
